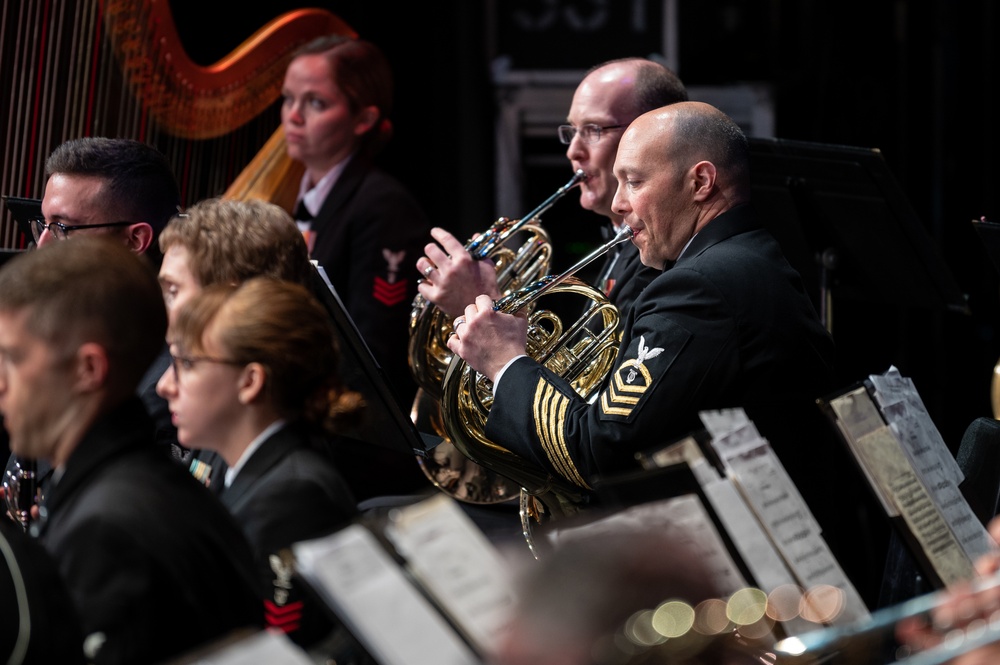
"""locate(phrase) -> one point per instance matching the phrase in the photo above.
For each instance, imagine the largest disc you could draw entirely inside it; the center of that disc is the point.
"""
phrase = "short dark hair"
(141, 186)
(657, 85)
(90, 289)
(709, 132)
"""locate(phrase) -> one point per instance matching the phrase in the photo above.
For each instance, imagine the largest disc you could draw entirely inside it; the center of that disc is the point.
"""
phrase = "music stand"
(844, 223)
(989, 233)
(384, 424)
(23, 210)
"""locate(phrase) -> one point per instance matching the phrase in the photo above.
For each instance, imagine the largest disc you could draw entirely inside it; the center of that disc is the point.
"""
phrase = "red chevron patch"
(389, 294)
(286, 619)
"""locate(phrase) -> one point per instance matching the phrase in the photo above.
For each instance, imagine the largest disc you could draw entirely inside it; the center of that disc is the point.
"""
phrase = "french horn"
(582, 353)
(521, 252)
(516, 267)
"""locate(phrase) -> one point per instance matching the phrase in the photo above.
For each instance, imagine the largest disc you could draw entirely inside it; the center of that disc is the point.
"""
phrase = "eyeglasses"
(182, 364)
(590, 133)
(60, 230)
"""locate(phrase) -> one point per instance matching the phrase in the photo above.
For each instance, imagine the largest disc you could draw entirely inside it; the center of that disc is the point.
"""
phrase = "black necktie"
(302, 213)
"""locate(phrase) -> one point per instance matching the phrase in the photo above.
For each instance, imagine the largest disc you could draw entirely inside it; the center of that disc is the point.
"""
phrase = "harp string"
(118, 68)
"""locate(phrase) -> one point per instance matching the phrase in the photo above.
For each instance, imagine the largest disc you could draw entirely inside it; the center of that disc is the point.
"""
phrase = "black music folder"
(989, 233)
(845, 224)
(384, 424)
(23, 210)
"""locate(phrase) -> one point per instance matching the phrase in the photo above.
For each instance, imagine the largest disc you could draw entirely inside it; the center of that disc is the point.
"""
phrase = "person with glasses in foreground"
(221, 241)
(254, 379)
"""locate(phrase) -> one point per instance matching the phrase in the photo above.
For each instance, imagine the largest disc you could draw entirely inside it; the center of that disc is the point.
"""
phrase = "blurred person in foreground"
(139, 543)
(573, 607)
(965, 611)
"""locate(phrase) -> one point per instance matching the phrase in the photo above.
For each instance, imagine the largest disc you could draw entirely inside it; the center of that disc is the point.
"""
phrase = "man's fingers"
(436, 255)
(449, 242)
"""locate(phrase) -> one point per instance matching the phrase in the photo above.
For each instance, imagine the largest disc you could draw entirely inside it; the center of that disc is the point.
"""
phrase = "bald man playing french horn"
(727, 324)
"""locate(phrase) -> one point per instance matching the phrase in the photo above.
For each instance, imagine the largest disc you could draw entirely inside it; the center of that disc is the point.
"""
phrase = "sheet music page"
(750, 451)
(723, 421)
(857, 416)
(685, 521)
(379, 604)
(902, 407)
(457, 565)
(924, 519)
(931, 459)
(787, 519)
(972, 535)
(756, 549)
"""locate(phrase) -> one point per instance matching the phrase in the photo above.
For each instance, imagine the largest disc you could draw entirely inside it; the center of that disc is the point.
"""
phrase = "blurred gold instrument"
(582, 353)
(20, 486)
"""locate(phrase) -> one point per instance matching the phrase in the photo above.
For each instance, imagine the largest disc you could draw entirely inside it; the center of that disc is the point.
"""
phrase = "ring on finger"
(429, 269)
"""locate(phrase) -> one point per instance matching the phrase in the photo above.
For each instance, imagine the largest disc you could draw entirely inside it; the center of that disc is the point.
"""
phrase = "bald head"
(689, 132)
(678, 168)
(611, 96)
(633, 86)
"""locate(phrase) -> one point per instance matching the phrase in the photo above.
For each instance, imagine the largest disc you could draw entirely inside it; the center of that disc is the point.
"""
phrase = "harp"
(119, 68)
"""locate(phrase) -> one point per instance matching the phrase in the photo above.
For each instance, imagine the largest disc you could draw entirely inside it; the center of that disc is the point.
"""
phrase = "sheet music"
(756, 549)
(731, 428)
(754, 546)
(377, 602)
(931, 459)
(858, 416)
(745, 448)
(913, 472)
(793, 529)
(457, 565)
(783, 513)
(894, 472)
(902, 407)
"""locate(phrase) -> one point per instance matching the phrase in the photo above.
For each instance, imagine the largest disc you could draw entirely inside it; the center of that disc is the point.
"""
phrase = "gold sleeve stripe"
(614, 410)
(549, 412)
